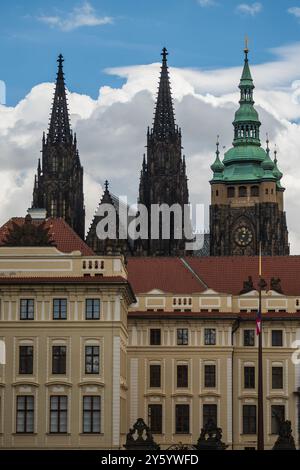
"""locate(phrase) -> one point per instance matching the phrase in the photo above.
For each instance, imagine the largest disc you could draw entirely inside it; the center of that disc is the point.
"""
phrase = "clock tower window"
(242, 191)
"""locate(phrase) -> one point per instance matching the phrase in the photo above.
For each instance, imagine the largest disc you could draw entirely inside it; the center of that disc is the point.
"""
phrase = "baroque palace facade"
(95, 340)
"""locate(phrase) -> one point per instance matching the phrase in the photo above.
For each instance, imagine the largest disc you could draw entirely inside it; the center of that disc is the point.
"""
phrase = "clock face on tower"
(243, 236)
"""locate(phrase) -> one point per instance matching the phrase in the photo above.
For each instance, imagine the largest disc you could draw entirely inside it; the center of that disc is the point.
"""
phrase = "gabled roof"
(227, 274)
(224, 275)
(63, 236)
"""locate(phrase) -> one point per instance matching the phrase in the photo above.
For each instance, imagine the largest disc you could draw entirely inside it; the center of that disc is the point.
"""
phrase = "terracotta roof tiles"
(64, 237)
(165, 274)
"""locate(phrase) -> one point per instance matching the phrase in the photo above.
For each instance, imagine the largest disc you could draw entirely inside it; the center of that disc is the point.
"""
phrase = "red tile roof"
(227, 274)
(166, 274)
(63, 236)
(224, 275)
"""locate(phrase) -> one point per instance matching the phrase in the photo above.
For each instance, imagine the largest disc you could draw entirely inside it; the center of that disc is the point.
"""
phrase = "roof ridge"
(189, 267)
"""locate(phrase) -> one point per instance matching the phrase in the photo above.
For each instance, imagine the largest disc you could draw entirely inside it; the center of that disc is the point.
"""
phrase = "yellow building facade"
(92, 344)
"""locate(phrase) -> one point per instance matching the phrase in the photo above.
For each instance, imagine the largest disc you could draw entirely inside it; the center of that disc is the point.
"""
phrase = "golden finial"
(246, 50)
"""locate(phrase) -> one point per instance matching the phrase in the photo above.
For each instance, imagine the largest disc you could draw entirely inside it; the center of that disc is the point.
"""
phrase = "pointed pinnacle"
(164, 55)
(217, 144)
(267, 141)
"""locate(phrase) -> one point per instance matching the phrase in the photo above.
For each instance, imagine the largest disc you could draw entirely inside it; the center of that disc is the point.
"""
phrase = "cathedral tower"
(246, 193)
(163, 176)
(58, 185)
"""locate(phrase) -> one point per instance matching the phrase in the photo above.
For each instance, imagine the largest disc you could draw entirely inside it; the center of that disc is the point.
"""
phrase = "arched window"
(254, 191)
(54, 164)
(53, 208)
(242, 191)
(230, 192)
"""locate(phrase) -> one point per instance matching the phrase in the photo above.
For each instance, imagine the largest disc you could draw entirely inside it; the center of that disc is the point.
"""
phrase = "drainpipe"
(297, 393)
(235, 327)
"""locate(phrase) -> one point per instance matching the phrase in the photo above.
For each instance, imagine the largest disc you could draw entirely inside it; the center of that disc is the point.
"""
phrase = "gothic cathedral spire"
(163, 176)
(58, 186)
(59, 128)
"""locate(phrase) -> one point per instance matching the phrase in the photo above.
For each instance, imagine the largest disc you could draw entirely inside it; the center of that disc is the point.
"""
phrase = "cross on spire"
(246, 50)
(164, 55)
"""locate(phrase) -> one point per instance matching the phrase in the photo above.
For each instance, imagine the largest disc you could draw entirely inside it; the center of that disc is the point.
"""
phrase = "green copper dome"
(268, 166)
(217, 167)
(246, 161)
(276, 172)
(246, 112)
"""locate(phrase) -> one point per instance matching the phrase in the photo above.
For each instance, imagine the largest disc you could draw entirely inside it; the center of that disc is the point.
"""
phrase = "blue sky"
(132, 32)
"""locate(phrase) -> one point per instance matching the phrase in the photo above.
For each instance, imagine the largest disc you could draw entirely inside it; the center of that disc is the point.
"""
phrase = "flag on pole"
(258, 322)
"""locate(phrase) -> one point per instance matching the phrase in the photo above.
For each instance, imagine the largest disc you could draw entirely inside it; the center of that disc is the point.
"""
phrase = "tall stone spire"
(59, 128)
(163, 176)
(164, 120)
(58, 186)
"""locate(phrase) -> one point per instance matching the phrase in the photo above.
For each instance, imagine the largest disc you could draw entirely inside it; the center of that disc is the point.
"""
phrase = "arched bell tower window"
(254, 191)
(242, 191)
(230, 192)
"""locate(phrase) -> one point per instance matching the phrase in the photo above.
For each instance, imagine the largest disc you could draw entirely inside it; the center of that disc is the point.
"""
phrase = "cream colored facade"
(122, 334)
(229, 355)
(81, 278)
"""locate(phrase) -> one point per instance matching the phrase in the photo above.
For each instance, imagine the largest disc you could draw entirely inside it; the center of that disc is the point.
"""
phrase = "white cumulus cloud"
(294, 11)
(250, 9)
(84, 15)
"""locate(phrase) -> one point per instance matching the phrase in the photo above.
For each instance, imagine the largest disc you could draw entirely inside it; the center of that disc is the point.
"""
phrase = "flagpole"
(260, 428)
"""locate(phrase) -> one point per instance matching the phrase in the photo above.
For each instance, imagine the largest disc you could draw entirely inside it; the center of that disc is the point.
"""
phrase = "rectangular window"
(26, 309)
(277, 416)
(58, 414)
(182, 337)
(92, 360)
(277, 338)
(249, 377)
(209, 376)
(210, 414)
(59, 359)
(249, 338)
(182, 376)
(155, 418)
(209, 336)
(277, 377)
(155, 375)
(25, 414)
(25, 359)
(182, 419)
(155, 337)
(92, 309)
(249, 419)
(92, 414)
(59, 309)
